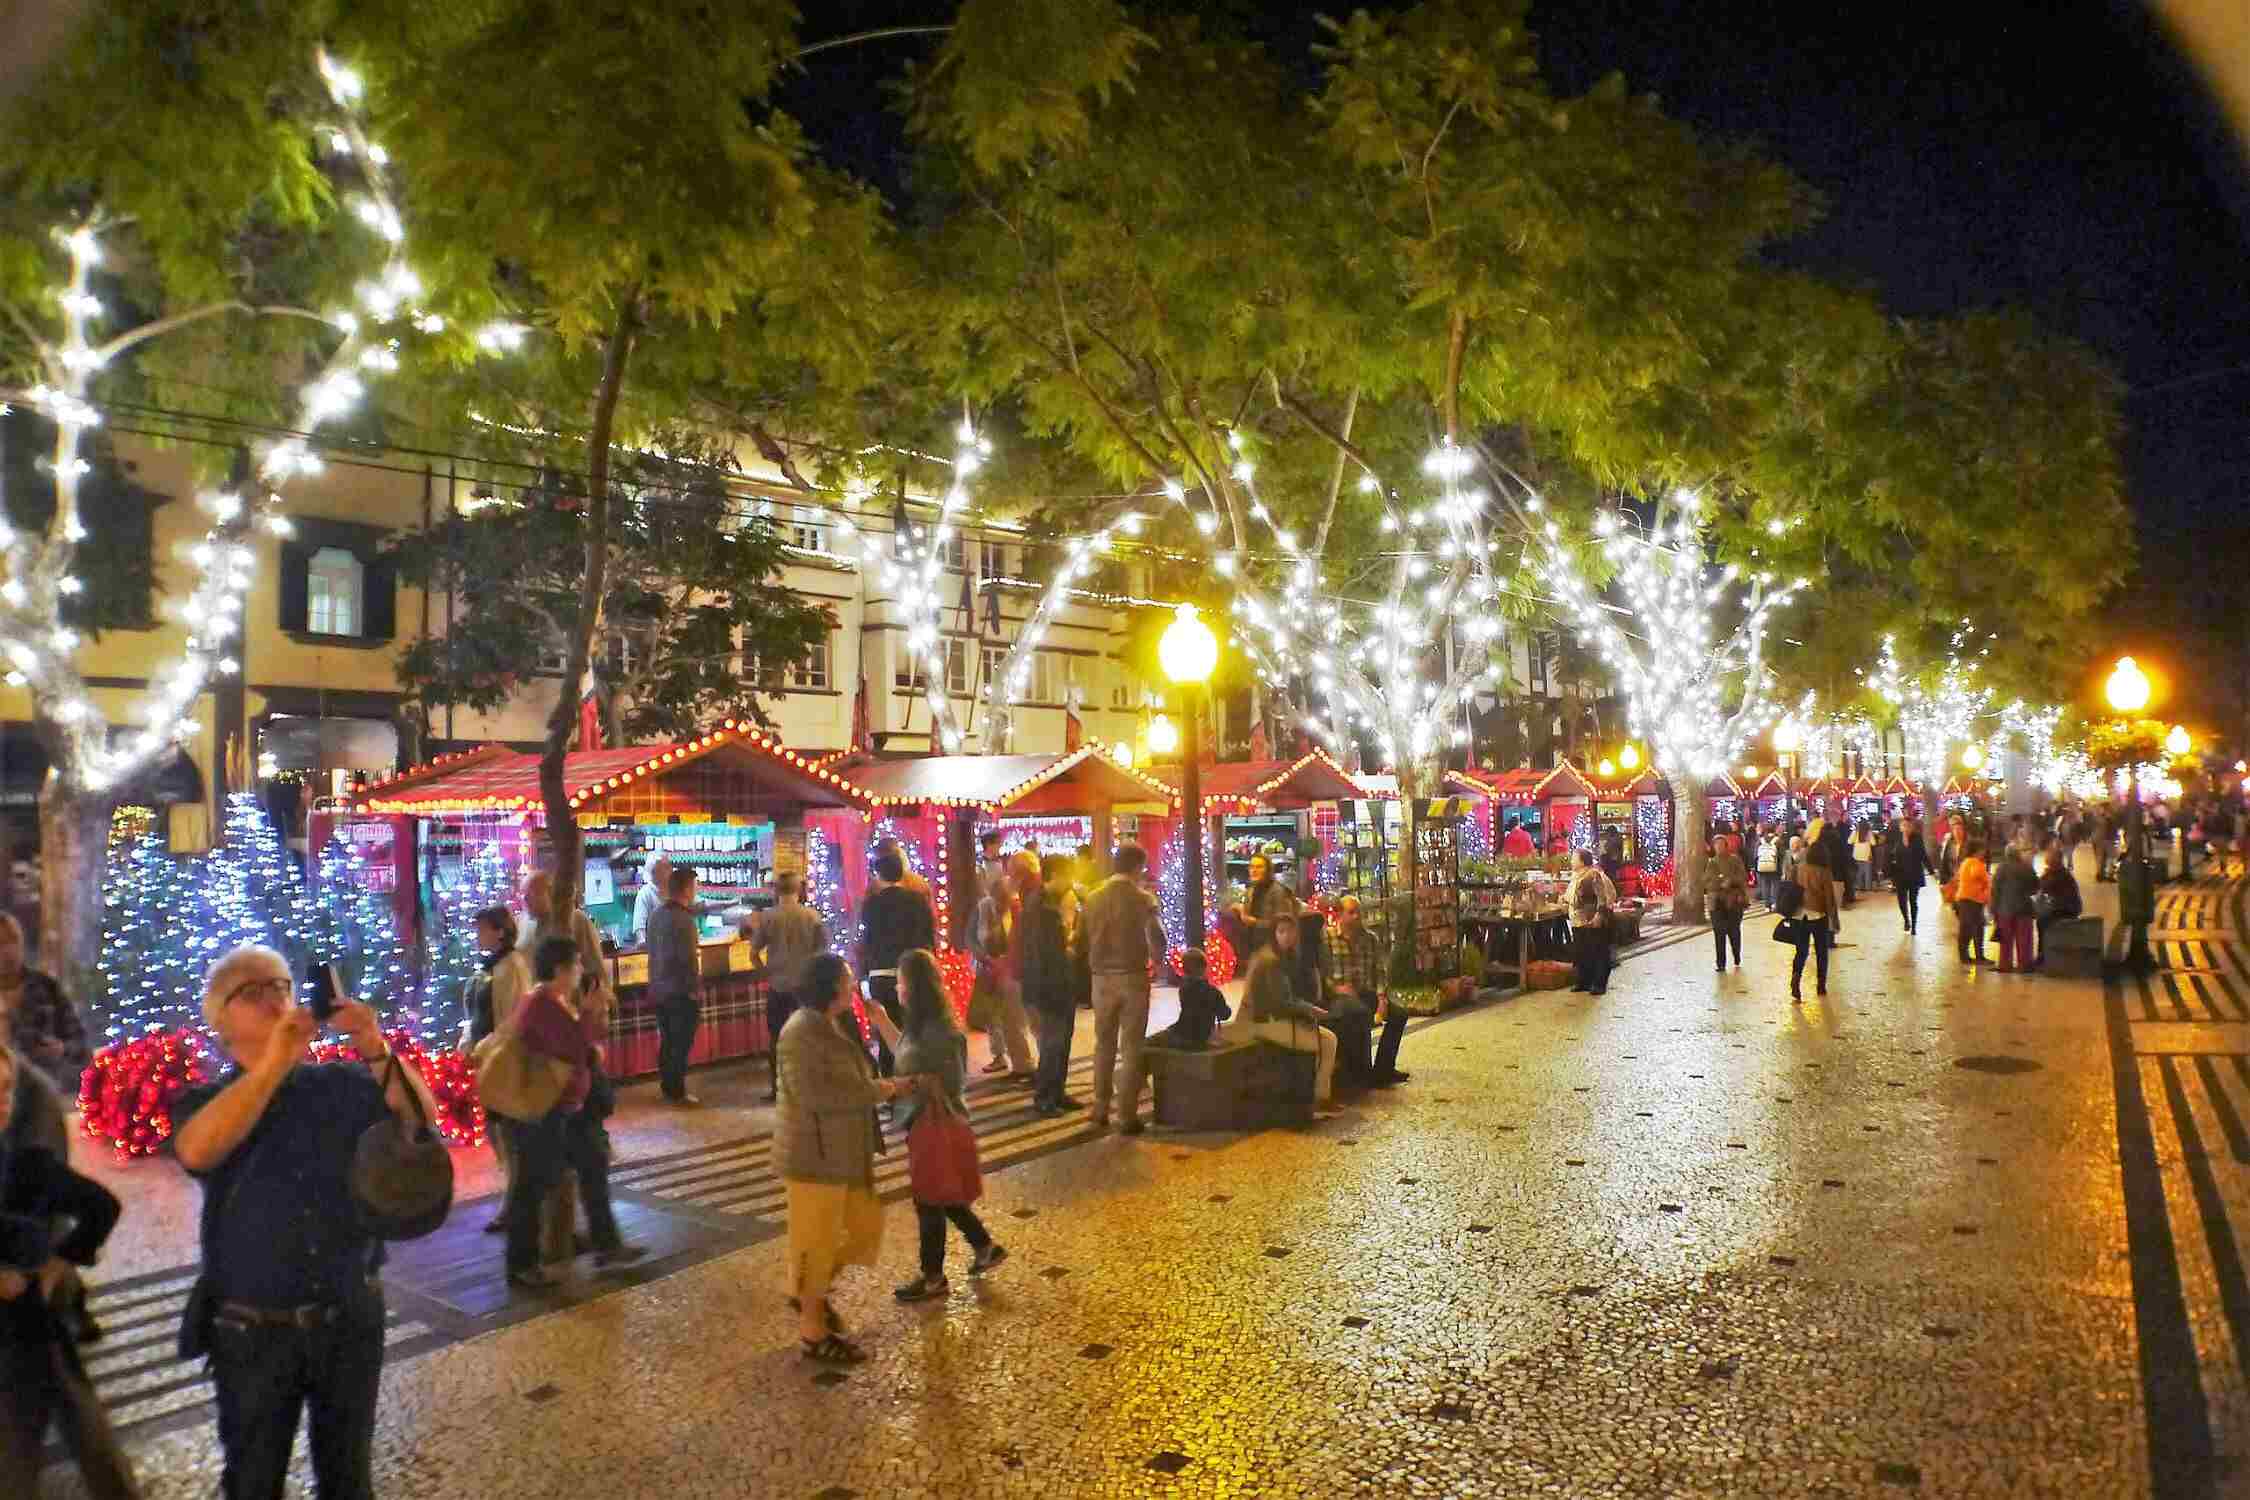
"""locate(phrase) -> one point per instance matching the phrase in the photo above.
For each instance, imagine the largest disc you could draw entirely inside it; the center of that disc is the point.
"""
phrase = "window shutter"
(379, 604)
(296, 567)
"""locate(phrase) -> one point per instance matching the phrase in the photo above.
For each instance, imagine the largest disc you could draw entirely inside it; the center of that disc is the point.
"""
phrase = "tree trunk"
(562, 725)
(73, 858)
(1691, 817)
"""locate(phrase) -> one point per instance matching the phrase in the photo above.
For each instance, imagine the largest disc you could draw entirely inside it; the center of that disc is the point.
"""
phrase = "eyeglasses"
(261, 989)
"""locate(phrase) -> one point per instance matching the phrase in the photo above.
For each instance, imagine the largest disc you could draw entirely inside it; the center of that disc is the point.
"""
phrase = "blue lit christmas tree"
(482, 881)
(824, 885)
(352, 928)
(156, 943)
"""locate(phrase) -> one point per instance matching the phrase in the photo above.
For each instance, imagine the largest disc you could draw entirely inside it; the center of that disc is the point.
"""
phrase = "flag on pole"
(860, 735)
(589, 714)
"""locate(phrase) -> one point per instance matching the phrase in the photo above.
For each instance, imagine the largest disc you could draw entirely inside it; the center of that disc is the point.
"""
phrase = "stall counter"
(733, 1021)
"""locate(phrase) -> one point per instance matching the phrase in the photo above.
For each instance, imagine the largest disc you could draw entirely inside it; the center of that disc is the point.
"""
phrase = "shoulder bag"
(941, 1156)
(513, 1081)
(402, 1175)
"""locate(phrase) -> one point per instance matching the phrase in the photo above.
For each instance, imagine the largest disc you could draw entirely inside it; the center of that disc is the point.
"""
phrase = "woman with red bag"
(941, 1149)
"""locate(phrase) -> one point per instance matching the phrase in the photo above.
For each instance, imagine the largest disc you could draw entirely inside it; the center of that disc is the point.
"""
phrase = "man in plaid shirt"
(1358, 962)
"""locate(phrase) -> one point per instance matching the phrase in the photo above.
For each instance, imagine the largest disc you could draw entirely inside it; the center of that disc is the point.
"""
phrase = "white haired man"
(289, 1306)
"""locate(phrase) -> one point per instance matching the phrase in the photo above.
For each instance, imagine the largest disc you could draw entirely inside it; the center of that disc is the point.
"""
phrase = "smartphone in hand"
(323, 988)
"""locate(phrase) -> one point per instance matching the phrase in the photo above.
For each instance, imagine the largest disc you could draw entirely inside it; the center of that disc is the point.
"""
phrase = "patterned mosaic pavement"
(1943, 1233)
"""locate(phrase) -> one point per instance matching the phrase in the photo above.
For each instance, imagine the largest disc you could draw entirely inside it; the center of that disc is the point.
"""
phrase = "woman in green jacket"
(934, 1051)
(824, 1140)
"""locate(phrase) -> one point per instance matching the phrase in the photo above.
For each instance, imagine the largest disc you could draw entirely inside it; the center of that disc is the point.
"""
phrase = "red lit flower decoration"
(960, 973)
(1218, 957)
(126, 1094)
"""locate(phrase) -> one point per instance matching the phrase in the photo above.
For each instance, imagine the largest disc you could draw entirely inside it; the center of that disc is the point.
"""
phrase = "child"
(1202, 1007)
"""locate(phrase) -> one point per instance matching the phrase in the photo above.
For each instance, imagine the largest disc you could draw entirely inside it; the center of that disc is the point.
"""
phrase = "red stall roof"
(1062, 784)
(1722, 785)
(1281, 784)
(1524, 784)
(495, 779)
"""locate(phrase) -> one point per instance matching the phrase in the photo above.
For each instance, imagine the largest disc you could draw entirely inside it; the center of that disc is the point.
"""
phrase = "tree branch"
(1335, 476)
(158, 327)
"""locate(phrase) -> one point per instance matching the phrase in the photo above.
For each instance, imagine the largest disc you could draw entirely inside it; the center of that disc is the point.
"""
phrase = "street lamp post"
(1785, 742)
(1188, 651)
(2128, 692)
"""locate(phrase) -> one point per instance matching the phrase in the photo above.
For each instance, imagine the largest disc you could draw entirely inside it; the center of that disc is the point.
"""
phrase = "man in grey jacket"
(788, 936)
(675, 983)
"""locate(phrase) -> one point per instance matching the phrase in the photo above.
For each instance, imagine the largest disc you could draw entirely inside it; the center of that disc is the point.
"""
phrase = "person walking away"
(551, 1025)
(933, 1052)
(2057, 900)
(44, 1379)
(1910, 871)
(1591, 897)
(1043, 950)
(1267, 906)
(824, 1144)
(1726, 888)
(2014, 884)
(289, 1306)
(1972, 891)
(1813, 927)
(1274, 1011)
(675, 979)
(991, 933)
(1863, 858)
(1122, 938)
(656, 885)
(1792, 861)
(1360, 970)
(488, 998)
(787, 938)
(893, 920)
(1769, 867)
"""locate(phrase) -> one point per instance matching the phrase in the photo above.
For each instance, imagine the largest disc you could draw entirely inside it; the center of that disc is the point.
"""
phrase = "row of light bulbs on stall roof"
(212, 610)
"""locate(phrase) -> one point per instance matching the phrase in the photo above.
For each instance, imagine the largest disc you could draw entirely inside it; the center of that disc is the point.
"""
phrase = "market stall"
(1554, 807)
(1724, 802)
(1865, 800)
(1270, 807)
(733, 805)
(1900, 797)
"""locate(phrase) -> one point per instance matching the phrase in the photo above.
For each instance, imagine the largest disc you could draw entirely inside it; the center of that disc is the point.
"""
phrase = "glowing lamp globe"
(1163, 735)
(2127, 688)
(2177, 741)
(1785, 736)
(1123, 752)
(1628, 757)
(1972, 757)
(1608, 767)
(1188, 650)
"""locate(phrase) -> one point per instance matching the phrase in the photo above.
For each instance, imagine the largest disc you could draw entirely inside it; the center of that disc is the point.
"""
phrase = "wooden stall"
(1555, 807)
(732, 804)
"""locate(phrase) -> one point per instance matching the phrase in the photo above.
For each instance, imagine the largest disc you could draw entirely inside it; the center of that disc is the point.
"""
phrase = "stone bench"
(2074, 948)
(1232, 1086)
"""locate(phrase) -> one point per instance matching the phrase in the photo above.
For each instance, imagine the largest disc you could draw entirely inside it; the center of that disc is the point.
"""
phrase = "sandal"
(835, 1323)
(832, 1350)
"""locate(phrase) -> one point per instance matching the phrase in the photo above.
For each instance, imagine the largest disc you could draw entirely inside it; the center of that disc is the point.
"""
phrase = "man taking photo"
(289, 1307)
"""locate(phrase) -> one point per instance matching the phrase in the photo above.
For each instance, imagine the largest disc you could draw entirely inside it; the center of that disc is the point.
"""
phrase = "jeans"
(265, 1377)
(1010, 1031)
(545, 1148)
(40, 1382)
(1120, 1030)
(1971, 939)
(2014, 935)
(1726, 932)
(1769, 887)
(1813, 934)
(932, 1221)
(1056, 1029)
(1354, 1025)
(1590, 947)
(1910, 906)
(883, 990)
(677, 1016)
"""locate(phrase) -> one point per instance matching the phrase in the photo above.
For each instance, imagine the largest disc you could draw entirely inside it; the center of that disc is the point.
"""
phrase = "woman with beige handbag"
(535, 1073)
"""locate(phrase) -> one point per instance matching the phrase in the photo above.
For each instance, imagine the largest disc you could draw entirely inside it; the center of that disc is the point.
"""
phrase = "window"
(1539, 664)
(909, 672)
(333, 586)
(992, 560)
(622, 654)
(953, 553)
(1125, 692)
(553, 662)
(995, 659)
(812, 672)
(1041, 688)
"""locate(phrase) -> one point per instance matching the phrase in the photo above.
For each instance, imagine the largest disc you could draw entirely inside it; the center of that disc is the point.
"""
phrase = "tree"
(185, 190)
(699, 623)
(639, 209)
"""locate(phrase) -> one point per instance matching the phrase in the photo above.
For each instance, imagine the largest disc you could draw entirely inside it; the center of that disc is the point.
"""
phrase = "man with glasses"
(288, 1307)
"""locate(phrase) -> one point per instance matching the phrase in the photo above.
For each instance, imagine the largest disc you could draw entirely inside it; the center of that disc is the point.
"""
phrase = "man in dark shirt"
(1357, 974)
(289, 1306)
(675, 983)
(893, 920)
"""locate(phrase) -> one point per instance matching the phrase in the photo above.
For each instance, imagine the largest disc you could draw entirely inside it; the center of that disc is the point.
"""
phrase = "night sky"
(2053, 156)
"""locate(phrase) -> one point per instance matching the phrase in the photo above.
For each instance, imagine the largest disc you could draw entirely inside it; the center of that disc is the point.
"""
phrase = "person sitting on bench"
(1202, 1006)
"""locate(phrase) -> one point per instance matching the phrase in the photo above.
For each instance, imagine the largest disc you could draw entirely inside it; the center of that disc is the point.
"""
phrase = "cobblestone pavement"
(1942, 1232)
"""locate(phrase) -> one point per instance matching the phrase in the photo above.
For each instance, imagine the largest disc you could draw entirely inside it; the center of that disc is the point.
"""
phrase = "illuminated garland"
(1652, 834)
(1935, 714)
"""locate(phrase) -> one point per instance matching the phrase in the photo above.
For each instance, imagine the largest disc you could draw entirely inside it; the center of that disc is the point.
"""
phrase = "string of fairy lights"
(42, 652)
